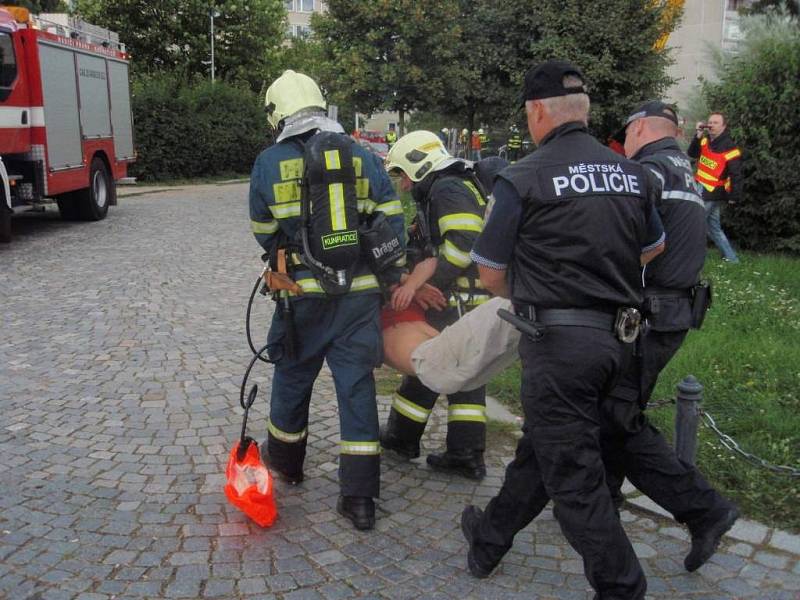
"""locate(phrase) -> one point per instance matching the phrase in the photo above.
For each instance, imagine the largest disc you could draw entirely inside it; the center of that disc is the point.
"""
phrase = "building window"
(302, 31)
(299, 5)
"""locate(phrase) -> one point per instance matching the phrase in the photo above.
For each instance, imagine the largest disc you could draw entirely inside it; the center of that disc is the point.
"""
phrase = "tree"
(45, 6)
(613, 42)
(792, 7)
(174, 35)
(382, 54)
(758, 90)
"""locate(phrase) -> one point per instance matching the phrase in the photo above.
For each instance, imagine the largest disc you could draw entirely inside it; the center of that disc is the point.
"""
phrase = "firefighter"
(391, 136)
(568, 203)
(514, 144)
(450, 216)
(343, 330)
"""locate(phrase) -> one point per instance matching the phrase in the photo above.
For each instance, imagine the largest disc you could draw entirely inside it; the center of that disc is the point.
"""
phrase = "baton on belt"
(522, 325)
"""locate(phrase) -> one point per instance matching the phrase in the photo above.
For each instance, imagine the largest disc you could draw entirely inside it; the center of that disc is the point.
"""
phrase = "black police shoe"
(468, 463)
(705, 542)
(404, 448)
(359, 509)
(469, 523)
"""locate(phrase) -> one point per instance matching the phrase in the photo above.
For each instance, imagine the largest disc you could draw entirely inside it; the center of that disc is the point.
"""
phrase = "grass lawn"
(747, 356)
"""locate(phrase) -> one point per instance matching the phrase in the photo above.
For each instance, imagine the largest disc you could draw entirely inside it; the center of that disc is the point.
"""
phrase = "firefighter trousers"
(344, 331)
(632, 447)
(564, 377)
(413, 402)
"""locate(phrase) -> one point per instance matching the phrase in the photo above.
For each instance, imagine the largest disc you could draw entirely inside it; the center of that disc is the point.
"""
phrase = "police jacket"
(731, 174)
(275, 205)
(453, 207)
(583, 226)
(671, 275)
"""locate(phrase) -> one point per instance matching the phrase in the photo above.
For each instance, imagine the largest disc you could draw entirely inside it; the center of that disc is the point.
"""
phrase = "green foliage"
(194, 130)
(387, 55)
(759, 92)
(612, 42)
(46, 6)
(174, 35)
(466, 58)
(746, 356)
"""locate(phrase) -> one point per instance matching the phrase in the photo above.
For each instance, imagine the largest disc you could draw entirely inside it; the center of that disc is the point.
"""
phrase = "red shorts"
(390, 317)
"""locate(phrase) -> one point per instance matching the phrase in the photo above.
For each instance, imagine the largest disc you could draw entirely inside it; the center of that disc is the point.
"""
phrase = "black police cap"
(546, 80)
(652, 108)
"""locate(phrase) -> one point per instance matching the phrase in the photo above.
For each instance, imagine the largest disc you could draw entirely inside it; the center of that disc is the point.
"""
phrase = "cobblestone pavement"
(122, 349)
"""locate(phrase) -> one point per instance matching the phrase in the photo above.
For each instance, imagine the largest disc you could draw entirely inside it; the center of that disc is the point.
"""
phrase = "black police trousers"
(565, 376)
(632, 447)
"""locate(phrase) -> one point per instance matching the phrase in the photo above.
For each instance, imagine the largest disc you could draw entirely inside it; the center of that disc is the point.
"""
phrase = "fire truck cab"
(66, 131)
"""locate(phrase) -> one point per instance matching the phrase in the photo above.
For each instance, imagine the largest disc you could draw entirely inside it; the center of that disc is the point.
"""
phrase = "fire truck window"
(8, 66)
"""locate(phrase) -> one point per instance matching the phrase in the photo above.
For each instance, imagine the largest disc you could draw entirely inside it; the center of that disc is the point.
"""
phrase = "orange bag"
(249, 487)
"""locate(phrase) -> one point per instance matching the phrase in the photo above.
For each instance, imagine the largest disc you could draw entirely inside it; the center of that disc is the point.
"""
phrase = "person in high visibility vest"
(391, 136)
(514, 144)
(719, 172)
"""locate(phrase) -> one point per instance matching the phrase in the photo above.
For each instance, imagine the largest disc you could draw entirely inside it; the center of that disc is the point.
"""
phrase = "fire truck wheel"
(68, 207)
(93, 201)
(5, 224)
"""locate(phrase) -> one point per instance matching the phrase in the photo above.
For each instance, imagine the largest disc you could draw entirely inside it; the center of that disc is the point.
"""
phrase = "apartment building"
(707, 26)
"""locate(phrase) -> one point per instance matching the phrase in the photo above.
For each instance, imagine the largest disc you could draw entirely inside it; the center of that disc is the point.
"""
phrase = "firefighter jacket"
(719, 167)
(454, 209)
(275, 206)
(514, 141)
(391, 138)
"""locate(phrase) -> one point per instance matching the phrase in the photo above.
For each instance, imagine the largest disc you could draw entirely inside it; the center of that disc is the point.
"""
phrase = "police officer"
(631, 446)
(584, 217)
(344, 330)
(450, 213)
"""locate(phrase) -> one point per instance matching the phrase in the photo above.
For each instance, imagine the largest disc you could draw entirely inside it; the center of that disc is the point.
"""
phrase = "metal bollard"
(687, 418)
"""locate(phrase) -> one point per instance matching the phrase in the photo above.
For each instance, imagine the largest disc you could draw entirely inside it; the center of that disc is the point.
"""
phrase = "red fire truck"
(66, 131)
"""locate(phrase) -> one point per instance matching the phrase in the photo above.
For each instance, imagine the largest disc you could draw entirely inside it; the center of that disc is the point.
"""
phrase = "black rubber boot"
(290, 477)
(706, 540)
(467, 463)
(390, 441)
(359, 509)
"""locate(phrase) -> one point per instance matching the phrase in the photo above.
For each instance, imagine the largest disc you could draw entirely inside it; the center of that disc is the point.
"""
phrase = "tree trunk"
(401, 113)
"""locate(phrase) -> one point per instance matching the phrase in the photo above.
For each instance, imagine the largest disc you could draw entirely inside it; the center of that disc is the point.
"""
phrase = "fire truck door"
(60, 92)
(93, 89)
(121, 109)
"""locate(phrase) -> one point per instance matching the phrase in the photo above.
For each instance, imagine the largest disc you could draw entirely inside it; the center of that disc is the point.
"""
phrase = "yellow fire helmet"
(417, 154)
(289, 93)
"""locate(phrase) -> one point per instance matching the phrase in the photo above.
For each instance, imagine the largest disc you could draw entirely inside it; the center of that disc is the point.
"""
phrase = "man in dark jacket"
(719, 172)
(630, 444)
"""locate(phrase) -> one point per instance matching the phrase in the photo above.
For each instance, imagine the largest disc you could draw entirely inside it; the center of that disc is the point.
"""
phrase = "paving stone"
(788, 542)
(748, 531)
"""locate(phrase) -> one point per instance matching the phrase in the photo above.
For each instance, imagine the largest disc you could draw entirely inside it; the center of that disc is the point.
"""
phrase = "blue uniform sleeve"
(494, 247)
(262, 223)
(654, 232)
